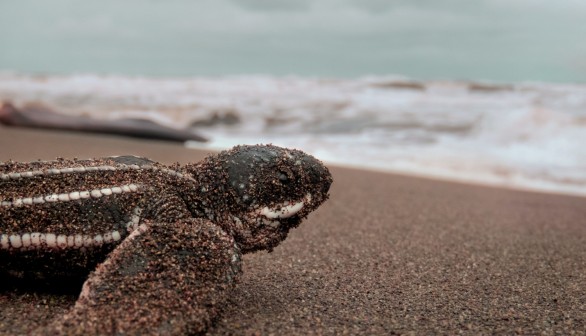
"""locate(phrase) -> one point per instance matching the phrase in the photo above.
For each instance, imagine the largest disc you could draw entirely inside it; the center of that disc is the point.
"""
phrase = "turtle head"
(267, 190)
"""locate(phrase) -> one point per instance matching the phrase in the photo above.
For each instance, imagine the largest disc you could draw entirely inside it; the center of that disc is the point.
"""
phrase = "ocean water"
(525, 135)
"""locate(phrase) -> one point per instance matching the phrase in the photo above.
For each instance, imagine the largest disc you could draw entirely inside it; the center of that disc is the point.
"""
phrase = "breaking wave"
(527, 135)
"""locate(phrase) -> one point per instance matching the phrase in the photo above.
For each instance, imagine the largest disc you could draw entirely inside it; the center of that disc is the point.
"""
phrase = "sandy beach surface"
(387, 254)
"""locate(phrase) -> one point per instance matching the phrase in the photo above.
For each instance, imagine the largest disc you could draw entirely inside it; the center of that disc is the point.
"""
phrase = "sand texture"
(387, 254)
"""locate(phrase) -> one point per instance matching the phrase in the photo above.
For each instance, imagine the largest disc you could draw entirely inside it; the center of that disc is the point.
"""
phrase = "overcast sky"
(507, 40)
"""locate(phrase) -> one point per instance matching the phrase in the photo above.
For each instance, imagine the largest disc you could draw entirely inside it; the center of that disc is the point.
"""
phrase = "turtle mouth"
(268, 226)
(286, 209)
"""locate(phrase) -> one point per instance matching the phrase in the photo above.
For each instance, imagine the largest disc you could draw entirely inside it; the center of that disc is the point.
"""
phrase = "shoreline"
(466, 181)
(201, 149)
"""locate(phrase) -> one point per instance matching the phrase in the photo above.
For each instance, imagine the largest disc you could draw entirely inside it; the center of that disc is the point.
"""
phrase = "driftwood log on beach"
(38, 116)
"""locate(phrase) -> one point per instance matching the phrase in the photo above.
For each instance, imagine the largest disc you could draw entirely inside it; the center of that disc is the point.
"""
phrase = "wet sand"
(386, 254)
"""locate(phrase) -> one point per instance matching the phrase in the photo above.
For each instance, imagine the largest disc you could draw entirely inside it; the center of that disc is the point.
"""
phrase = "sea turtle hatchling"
(163, 243)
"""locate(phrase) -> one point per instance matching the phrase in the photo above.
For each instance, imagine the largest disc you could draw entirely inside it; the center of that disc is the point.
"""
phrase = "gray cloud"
(274, 5)
(449, 38)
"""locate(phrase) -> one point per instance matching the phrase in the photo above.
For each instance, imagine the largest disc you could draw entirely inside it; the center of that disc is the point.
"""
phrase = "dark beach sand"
(386, 254)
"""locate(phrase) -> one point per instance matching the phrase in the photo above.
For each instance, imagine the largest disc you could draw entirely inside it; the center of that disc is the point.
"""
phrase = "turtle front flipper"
(171, 278)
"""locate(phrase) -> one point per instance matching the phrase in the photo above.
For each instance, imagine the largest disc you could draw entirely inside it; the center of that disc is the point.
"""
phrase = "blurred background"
(504, 40)
(487, 91)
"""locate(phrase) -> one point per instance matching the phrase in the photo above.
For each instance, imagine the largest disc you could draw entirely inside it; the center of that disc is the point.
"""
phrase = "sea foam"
(526, 136)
